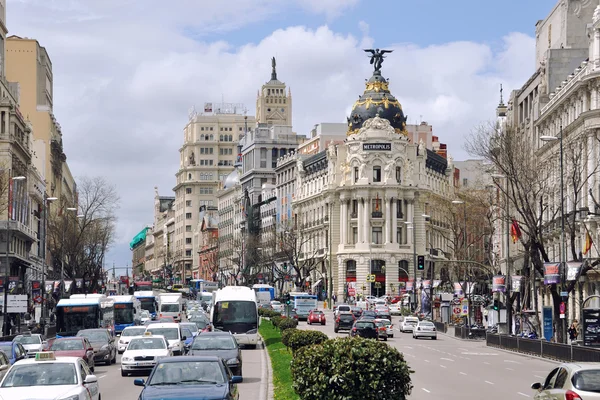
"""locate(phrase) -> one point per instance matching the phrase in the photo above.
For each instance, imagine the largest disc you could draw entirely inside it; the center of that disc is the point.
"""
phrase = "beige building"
(209, 151)
(230, 211)
(157, 256)
(321, 136)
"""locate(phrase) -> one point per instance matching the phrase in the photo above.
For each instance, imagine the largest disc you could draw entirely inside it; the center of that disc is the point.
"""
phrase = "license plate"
(143, 364)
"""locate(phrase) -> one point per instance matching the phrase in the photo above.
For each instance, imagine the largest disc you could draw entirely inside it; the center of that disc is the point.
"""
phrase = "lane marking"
(540, 377)
(426, 390)
(462, 373)
(511, 361)
(460, 348)
(523, 394)
(426, 360)
(510, 369)
(408, 347)
(479, 354)
(101, 376)
(447, 359)
(487, 363)
(491, 383)
(443, 366)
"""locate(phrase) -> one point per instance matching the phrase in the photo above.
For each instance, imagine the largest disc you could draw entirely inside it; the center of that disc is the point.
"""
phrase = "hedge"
(265, 312)
(350, 369)
(302, 338)
(286, 336)
(287, 323)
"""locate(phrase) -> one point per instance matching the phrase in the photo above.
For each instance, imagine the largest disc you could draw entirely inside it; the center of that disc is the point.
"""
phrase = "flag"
(588, 242)
(515, 231)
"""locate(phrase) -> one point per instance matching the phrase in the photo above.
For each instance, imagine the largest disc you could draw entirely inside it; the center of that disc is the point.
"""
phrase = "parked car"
(103, 343)
(425, 329)
(408, 324)
(365, 328)
(14, 351)
(316, 317)
(343, 321)
(74, 347)
(570, 381)
(221, 344)
(4, 365)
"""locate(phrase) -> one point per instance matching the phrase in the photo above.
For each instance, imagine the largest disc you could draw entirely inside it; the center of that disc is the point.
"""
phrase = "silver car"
(425, 329)
(570, 381)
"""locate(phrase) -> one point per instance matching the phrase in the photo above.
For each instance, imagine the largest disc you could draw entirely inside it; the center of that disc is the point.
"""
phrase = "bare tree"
(297, 249)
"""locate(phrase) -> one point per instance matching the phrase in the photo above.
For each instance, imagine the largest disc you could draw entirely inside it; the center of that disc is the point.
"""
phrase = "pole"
(468, 292)
(414, 228)
(508, 271)
(43, 289)
(562, 230)
(6, 275)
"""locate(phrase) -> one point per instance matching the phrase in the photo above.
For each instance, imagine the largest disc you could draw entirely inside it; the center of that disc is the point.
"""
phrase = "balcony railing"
(377, 214)
(353, 215)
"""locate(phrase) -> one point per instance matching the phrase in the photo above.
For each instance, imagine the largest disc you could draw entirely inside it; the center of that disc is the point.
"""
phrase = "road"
(451, 369)
(113, 386)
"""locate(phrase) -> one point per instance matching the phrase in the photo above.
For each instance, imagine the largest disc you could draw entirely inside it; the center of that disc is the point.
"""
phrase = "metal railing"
(543, 348)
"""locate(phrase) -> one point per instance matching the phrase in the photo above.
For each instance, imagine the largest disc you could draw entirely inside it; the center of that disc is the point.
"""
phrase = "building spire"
(273, 69)
(501, 99)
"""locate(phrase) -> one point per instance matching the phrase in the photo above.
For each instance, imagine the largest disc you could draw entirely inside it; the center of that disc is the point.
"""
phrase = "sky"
(127, 72)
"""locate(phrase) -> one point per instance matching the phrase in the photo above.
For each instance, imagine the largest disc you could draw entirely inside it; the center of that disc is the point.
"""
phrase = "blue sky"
(126, 72)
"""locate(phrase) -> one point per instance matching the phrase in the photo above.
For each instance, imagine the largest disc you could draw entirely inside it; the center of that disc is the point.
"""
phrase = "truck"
(170, 305)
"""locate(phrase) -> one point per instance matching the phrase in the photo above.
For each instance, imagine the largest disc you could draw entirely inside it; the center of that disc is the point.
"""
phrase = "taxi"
(143, 352)
(47, 377)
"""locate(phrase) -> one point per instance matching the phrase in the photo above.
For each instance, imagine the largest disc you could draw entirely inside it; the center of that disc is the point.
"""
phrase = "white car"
(145, 316)
(127, 334)
(172, 332)
(47, 377)
(143, 352)
(425, 329)
(33, 343)
(395, 309)
(277, 306)
(408, 324)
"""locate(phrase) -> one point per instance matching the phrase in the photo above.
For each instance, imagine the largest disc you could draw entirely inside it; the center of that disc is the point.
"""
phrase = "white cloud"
(126, 76)
(331, 8)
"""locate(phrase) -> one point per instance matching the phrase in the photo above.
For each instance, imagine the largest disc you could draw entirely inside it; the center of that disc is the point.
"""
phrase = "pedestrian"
(573, 331)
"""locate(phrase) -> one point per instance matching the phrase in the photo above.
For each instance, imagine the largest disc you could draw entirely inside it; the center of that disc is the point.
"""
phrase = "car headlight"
(233, 361)
(72, 397)
(126, 359)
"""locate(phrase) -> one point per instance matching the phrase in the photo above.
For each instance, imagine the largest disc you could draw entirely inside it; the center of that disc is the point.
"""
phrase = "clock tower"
(273, 102)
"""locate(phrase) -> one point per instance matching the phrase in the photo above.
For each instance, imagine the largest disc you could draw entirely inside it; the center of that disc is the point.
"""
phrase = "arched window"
(220, 138)
(190, 177)
(211, 137)
(231, 138)
(351, 271)
(403, 271)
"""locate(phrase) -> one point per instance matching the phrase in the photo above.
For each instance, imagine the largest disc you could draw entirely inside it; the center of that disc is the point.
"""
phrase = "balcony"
(19, 229)
(377, 214)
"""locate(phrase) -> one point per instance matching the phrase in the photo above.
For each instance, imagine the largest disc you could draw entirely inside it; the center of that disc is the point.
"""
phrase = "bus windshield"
(123, 313)
(235, 316)
(70, 320)
(148, 303)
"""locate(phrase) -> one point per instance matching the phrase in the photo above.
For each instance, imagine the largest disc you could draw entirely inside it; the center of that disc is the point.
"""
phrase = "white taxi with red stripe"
(47, 377)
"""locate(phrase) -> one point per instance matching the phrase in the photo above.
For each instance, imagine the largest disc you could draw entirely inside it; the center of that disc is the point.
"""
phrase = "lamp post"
(47, 200)
(547, 138)
(6, 330)
(410, 225)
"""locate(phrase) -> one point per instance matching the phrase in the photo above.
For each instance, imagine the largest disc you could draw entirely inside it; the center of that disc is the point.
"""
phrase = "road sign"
(464, 307)
(371, 278)
(562, 308)
(456, 310)
(16, 303)
(564, 294)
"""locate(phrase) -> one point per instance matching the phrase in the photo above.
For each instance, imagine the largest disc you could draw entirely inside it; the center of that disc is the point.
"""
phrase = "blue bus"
(302, 303)
(84, 312)
(148, 301)
(127, 312)
(200, 285)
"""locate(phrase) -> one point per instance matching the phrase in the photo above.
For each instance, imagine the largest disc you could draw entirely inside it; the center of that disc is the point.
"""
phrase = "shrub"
(276, 320)
(305, 338)
(286, 335)
(265, 312)
(287, 323)
(349, 369)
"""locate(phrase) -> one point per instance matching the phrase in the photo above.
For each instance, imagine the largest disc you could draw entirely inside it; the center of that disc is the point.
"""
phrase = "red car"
(74, 347)
(316, 317)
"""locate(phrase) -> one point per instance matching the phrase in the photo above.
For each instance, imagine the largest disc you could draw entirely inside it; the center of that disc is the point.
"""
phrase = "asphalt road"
(113, 386)
(448, 368)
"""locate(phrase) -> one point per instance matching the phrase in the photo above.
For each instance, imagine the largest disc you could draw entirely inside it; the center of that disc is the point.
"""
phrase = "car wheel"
(336, 330)
(114, 359)
(123, 373)
(434, 338)
(322, 323)
(251, 346)
(385, 338)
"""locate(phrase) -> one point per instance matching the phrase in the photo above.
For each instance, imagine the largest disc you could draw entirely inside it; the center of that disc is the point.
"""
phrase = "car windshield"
(94, 336)
(34, 339)
(133, 331)
(191, 326)
(41, 374)
(346, 317)
(214, 343)
(364, 324)
(67, 345)
(275, 303)
(200, 322)
(7, 349)
(168, 333)
(587, 380)
(187, 373)
(186, 332)
(146, 344)
(317, 312)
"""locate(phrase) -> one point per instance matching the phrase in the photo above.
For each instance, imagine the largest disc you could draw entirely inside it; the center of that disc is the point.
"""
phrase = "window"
(376, 173)
(354, 209)
(188, 253)
(355, 174)
(398, 175)
(188, 240)
(188, 190)
(206, 190)
(188, 215)
(188, 203)
(376, 211)
(399, 235)
(188, 228)
(465, 182)
(263, 158)
(377, 235)
(351, 269)
(354, 235)
(399, 213)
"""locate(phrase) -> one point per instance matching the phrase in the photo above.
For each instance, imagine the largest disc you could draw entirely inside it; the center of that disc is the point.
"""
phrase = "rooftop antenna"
(501, 99)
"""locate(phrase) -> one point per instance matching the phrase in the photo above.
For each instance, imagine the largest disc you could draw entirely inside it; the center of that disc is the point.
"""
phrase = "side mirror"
(536, 386)
(90, 379)
(139, 382)
(183, 338)
(236, 379)
(45, 343)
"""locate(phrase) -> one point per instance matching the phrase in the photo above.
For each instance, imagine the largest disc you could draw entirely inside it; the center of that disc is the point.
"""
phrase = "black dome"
(377, 100)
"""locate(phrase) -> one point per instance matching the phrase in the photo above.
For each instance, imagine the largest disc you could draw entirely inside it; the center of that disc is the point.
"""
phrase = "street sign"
(464, 307)
(371, 278)
(456, 310)
(564, 294)
(16, 303)
(562, 308)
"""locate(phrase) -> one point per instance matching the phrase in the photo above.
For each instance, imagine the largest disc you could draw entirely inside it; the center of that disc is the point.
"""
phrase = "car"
(189, 338)
(316, 317)
(126, 336)
(425, 329)
(32, 342)
(342, 308)
(165, 319)
(396, 299)
(171, 332)
(103, 343)
(191, 326)
(221, 344)
(365, 328)
(145, 316)
(389, 327)
(408, 324)
(381, 308)
(277, 306)
(14, 351)
(143, 352)
(357, 311)
(384, 315)
(202, 323)
(189, 377)
(368, 314)
(395, 309)
(381, 328)
(569, 381)
(344, 321)
(4, 365)
(47, 376)
(74, 347)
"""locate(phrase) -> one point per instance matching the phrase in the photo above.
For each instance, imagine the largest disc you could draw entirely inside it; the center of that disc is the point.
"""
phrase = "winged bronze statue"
(377, 57)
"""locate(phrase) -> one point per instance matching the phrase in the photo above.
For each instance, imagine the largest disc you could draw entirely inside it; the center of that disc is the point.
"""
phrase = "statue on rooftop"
(377, 57)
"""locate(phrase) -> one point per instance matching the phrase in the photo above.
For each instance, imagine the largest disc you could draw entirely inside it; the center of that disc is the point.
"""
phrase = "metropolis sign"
(377, 146)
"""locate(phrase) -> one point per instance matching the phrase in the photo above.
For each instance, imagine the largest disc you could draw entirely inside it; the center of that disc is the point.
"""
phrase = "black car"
(365, 328)
(221, 344)
(344, 321)
(384, 315)
(103, 343)
(368, 314)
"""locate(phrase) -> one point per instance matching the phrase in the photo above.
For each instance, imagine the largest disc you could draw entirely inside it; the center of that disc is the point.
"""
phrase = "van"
(408, 324)
(342, 308)
(172, 333)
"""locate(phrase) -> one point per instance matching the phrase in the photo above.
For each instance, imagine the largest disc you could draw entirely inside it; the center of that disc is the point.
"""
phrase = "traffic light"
(421, 263)
(286, 298)
(496, 305)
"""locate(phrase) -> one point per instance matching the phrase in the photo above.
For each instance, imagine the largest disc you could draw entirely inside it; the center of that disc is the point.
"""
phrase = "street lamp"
(7, 266)
(410, 225)
(467, 294)
(547, 138)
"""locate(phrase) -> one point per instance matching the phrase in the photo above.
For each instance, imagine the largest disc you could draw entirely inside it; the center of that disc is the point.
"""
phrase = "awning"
(316, 283)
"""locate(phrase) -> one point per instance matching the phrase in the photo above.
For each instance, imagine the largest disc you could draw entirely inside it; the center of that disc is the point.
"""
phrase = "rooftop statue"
(377, 57)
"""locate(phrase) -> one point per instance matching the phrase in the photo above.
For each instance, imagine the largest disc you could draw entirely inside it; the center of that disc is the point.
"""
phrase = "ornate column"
(361, 227)
(585, 99)
(594, 98)
(394, 219)
(366, 221)
(388, 221)
(344, 220)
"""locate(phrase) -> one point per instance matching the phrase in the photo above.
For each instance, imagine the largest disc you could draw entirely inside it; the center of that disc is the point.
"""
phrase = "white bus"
(84, 312)
(302, 303)
(235, 310)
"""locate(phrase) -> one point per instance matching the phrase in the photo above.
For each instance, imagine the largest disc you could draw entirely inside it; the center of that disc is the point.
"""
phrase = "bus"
(148, 301)
(302, 303)
(235, 310)
(142, 285)
(127, 312)
(264, 293)
(200, 285)
(84, 312)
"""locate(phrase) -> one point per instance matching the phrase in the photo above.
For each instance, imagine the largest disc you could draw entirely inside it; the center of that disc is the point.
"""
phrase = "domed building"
(365, 201)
